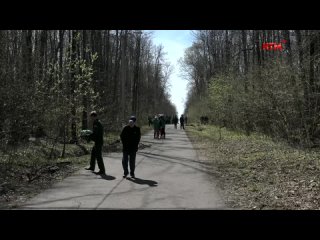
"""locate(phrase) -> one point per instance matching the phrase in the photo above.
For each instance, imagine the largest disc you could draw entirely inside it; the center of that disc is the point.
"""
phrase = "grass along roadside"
(27, 170)
(254, 172)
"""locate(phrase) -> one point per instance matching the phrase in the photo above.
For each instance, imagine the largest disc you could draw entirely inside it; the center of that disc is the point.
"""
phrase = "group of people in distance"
(159, 124)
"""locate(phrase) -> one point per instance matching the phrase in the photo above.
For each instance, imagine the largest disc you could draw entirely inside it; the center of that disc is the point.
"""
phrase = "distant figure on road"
(149, 121)
(130, 138)
(156, 127)
(97, 137)
(162, 127)
(175, 121)
(181, 121)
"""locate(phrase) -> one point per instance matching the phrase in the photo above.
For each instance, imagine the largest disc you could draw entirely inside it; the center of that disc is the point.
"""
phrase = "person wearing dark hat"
(97, 137)
(130, 138)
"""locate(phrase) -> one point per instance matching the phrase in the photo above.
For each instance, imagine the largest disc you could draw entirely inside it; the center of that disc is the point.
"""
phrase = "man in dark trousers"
(181, 122)
(175, 121)
(130, 138)
(97, 137)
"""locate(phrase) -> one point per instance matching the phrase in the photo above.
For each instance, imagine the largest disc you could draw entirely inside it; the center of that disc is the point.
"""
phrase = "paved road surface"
(168, 176)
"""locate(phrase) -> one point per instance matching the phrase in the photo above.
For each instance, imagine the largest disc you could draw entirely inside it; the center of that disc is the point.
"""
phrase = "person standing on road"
(97, 137)
(149, 121)
(130, 138)
(156, 127)
(175, 121)
(181, 121)
(162, 124)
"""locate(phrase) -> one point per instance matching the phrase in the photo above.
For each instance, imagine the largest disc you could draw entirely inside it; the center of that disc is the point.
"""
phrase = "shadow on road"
(106, 177)
(179, 160)
(143, 181)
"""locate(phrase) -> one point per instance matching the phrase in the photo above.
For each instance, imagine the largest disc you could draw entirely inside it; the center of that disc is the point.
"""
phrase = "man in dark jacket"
(97, 137)
(175, 121)
(130, 138)
(181, 122)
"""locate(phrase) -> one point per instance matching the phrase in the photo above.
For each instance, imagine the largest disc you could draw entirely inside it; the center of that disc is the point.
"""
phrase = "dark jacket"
(162, 123)
(175, 120)
(97, 135)
(130, 138)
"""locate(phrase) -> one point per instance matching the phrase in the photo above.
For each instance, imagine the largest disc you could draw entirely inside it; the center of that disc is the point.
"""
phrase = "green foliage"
(242, 86)
(57, 117)
(222, 97)
(52, 79)
(198, 108)
(276, 102)
(272, 103)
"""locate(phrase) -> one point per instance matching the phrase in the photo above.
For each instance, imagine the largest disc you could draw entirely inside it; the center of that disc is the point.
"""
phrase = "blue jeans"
(131, 157)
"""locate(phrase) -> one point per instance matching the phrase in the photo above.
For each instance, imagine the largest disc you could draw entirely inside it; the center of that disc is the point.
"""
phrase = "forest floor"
(256, 172)
(27, 170)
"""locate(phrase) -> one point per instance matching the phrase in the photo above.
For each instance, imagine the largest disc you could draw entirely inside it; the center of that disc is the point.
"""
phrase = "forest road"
(168, 173)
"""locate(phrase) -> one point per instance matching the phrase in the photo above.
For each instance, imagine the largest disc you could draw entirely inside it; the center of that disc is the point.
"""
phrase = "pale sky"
(174, 43)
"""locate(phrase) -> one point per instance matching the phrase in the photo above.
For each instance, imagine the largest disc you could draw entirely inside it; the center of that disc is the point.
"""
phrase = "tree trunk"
(73, 86)
(123, 75)
(136, 75)
(84, 97)
(116, 71)
(245, 58)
